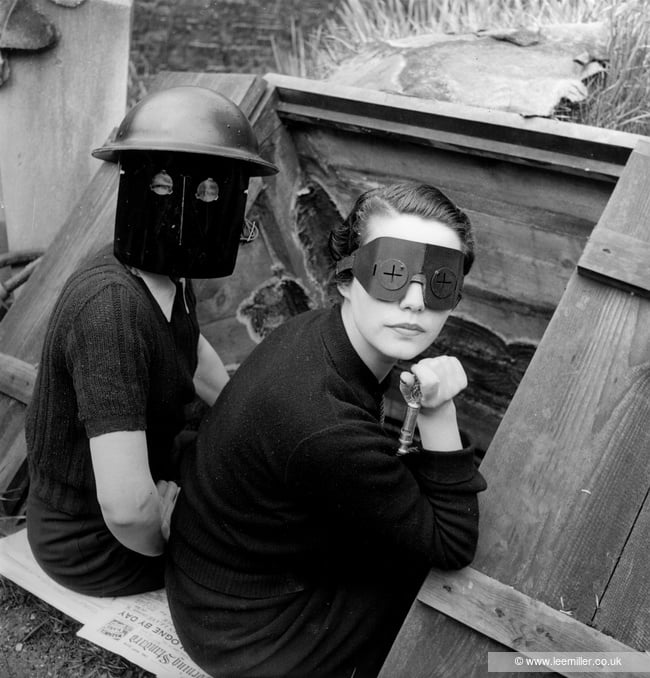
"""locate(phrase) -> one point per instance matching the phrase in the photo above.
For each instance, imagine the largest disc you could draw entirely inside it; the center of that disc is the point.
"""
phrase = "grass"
(619, 98)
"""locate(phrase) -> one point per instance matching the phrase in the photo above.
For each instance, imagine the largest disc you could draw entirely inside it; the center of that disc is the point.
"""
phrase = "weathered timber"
(56, 105)
(89, 226)
(517, 621)
(19, 257)
(624, 609)
(565, 517)
(617, 259)
(16, 378)
(16, 280)
(567, 147)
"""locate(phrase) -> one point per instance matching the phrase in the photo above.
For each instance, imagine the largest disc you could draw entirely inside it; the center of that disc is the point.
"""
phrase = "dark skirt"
(80, 553)
(332, 631)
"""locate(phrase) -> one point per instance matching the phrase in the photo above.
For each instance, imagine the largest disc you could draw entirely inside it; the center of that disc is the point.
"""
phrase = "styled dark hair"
(420, 200)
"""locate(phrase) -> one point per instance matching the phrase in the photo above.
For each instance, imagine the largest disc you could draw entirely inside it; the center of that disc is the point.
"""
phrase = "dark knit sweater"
(110, 362)
(295, 478)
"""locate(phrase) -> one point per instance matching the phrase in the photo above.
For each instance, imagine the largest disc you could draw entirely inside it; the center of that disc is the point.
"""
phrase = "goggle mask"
(386, 266)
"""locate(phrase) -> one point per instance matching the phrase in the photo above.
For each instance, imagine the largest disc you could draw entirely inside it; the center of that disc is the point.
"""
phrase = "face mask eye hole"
(391, 274)
(207, 190)
(443, 283)
(162, 184)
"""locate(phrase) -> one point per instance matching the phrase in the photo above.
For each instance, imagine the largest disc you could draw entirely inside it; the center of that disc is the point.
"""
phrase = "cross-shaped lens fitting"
(391, 274)
(443, 283)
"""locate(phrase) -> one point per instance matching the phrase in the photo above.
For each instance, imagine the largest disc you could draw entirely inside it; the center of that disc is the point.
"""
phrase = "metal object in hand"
(408, 427)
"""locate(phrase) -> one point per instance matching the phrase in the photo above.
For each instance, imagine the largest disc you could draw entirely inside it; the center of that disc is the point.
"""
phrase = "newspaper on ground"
(138, 628)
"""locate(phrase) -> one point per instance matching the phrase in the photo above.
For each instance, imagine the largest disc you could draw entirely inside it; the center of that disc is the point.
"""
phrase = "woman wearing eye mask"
(301, 537)
(123, 355)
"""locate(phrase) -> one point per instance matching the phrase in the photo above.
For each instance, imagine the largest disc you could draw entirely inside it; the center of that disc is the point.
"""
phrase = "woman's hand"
(168, 492)
(440, 379)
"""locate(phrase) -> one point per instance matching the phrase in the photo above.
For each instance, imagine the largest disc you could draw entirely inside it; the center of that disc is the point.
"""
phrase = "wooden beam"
(555, 145)
(617, 259)
(17, 378)
(515, 620)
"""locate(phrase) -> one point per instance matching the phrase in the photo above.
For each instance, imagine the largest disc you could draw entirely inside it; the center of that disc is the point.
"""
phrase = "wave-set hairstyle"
(420, 200)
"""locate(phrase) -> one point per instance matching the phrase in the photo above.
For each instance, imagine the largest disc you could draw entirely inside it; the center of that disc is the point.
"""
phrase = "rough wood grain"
(566, 147)
(624, 608)
(617, 259)
(517, 621)
(16, 378)
(568, 470)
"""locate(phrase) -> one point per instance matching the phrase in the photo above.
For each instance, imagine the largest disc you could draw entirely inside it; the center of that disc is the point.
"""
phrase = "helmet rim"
(187, 119)
(110, 152)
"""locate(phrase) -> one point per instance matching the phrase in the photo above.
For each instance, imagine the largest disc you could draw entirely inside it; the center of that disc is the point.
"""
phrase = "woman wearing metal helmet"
(123, 354)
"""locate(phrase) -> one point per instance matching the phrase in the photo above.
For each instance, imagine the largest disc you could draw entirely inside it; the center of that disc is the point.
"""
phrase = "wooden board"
(89, 226)
(565, 147)
(619, 260)
(517, 621)
(56, 105)
(565, 516)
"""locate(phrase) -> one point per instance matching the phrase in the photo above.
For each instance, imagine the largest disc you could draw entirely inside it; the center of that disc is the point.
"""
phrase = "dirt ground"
(39, 641)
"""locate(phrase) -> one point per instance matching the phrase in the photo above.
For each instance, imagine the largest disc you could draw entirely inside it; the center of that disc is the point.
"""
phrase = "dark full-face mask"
(386, 266)
(180, 214)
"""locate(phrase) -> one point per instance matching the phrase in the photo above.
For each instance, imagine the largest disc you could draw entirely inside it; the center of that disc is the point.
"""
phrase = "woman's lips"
(409, 329)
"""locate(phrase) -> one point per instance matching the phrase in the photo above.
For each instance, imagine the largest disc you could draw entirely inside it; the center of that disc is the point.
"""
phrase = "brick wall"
(217, 35)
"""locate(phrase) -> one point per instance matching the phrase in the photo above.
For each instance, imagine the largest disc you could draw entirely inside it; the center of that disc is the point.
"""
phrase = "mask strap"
(345, 264)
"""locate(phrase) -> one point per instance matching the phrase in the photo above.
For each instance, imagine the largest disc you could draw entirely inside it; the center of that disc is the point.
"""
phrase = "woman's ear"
(344, 288)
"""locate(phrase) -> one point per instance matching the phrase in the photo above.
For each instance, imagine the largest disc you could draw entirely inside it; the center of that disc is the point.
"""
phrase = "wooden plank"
(617, 259)
(486, 185)
(282, 191)
(89, 226)
(562, 146)
(516, 620)
(56, 105)
(568, 470)
(16, 378)
(624, 605)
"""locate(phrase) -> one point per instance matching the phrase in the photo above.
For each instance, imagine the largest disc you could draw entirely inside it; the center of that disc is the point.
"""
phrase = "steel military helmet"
(185, 154)
(188, 119)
